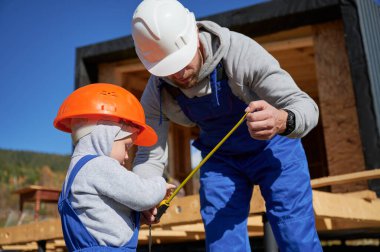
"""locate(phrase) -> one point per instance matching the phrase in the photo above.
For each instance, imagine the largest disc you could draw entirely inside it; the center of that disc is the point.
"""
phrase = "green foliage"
(25, 165)
(19, 169)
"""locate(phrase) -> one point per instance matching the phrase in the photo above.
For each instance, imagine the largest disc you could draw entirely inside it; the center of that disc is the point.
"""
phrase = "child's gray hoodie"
(104, 193)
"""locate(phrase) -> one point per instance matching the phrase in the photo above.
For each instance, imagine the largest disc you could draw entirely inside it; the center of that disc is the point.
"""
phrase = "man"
(207, 75)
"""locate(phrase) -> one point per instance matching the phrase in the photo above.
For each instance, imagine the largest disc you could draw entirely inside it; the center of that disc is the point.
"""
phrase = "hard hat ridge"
(165, 36)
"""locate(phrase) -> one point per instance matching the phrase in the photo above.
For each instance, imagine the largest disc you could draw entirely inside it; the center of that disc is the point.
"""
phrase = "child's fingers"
(170, 186)
(153, 211)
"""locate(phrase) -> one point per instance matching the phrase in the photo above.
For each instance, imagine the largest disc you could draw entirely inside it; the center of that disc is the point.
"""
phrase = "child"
(100, 199)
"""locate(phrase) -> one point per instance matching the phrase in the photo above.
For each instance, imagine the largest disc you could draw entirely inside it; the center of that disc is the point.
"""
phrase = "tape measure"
(164, 205)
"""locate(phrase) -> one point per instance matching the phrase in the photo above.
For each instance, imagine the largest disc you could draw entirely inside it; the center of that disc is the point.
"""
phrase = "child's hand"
(169, 190)
(148, 216)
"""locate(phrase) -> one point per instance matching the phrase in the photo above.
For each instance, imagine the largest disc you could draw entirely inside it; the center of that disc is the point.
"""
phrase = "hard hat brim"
(147, 137)
(174, 62)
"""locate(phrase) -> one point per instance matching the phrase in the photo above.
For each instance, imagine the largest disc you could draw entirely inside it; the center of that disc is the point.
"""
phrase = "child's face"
(120, 148)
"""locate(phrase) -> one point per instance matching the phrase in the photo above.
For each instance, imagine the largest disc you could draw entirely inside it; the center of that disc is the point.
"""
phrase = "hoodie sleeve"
(251, 67)
(151, 161)
(112, 180)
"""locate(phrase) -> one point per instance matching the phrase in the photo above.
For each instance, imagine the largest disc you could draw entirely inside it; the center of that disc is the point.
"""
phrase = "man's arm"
(151, 161)
(252, 67)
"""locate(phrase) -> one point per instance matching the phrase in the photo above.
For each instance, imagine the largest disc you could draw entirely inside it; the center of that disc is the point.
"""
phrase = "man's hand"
(265, 121)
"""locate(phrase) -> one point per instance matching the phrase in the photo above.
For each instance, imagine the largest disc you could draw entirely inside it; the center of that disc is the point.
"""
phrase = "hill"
(22, 168)
(26, 164)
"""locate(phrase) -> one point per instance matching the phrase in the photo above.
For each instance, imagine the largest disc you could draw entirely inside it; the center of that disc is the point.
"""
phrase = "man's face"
(188, 76)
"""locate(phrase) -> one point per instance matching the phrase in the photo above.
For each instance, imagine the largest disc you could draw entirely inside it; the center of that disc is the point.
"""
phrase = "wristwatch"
(290, 123)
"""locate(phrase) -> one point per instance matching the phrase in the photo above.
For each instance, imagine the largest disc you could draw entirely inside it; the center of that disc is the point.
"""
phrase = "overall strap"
(75, 171)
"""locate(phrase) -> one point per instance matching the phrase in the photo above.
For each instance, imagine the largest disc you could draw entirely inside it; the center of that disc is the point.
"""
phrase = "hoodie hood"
(98, 142)
(216, 43)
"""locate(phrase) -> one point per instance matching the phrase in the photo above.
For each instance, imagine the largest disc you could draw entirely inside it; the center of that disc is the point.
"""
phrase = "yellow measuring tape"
(166, 203)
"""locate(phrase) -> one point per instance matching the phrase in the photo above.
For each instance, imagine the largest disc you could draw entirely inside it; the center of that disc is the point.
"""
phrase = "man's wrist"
(290, 123)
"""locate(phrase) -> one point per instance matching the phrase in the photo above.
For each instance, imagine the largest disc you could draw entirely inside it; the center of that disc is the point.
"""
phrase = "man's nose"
(179, 74)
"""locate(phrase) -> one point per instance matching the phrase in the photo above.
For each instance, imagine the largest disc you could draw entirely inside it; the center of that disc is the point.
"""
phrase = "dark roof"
(258, 19)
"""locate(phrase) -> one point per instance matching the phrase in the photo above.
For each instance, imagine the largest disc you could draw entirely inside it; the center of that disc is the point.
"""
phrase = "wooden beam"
(183, 221)
(197, 227)
(299, 32)
(129, 67)
(20, 247)
(332, 205)
(333, 224)
(162, 233)
(289, 44)
(35, 231)
(345, 178)
(365, 194)
(186, 210)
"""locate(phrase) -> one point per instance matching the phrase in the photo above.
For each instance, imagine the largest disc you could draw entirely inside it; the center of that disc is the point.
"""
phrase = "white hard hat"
(165, 36)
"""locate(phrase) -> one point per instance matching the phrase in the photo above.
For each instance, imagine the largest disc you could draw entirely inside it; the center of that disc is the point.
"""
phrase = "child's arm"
(114, 181)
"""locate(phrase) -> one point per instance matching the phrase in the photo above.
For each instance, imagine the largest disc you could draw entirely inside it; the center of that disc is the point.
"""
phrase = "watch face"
(290, 123)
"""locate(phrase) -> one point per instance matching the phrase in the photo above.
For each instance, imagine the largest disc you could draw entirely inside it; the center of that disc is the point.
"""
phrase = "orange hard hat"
(103, 100)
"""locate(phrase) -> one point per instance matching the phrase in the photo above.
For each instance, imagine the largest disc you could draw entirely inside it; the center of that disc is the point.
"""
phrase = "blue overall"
(76, 236)
(278, 166)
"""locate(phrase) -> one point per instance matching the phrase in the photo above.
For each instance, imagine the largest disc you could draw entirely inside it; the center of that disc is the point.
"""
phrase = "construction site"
(331, 49)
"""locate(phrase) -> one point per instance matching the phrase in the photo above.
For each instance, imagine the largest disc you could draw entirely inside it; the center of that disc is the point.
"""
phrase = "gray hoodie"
(253, 74)
(104, 193)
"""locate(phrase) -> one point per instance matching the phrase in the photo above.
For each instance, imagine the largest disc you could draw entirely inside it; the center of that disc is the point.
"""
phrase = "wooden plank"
(332, 205)
(292, 56)
(187, 209)
(197, 227)
(345, 178)
(129, 66)
(35, 231)
(256, 220)
(183, 222)
(365, 194)
(33, 188)
(161, 236)
(289, 44)
(333, 224)
(162, 233)
(59, 243)
(20, 247)
(323, 223)
(299, 32)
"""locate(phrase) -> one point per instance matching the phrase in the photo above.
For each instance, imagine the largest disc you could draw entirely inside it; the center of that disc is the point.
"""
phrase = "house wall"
(337, 105)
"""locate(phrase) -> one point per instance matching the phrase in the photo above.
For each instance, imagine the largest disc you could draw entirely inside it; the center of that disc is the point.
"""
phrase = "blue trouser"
(278, 165)
(225, 194)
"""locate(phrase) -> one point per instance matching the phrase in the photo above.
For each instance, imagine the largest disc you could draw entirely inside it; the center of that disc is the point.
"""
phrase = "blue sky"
(37, 58)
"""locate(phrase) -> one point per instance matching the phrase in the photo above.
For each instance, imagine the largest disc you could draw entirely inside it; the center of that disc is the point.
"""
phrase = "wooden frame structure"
(182, 222)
